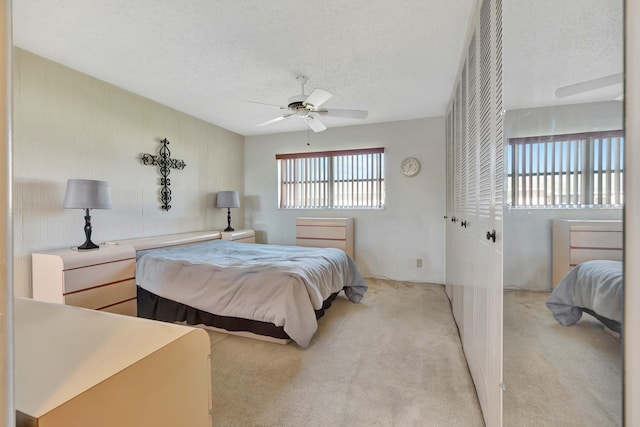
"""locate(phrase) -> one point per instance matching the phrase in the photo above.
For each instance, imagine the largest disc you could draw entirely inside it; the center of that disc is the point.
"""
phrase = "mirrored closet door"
(564, 146)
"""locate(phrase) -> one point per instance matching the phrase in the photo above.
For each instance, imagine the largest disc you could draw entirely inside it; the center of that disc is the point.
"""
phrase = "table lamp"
(228, 199)
(87, 194)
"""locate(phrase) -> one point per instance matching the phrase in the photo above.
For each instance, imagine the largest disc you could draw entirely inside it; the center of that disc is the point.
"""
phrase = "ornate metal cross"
(165, 163)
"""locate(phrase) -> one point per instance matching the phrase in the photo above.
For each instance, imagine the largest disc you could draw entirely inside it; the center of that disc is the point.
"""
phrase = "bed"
(594, 287)
(268, 290)
(587, 272)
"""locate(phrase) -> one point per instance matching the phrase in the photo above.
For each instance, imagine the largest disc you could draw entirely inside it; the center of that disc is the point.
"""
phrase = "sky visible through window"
(533, 157)
(584, 170)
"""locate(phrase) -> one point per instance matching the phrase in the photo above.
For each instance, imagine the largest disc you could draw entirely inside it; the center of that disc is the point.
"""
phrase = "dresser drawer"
(602, 239)
(128, 308)
(102, 296)
(581, 255)
(339, 244)
(320, 232)
(100, 274)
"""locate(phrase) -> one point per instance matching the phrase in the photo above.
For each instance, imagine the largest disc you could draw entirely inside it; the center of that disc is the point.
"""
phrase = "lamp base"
(229, 228)
(88, 245)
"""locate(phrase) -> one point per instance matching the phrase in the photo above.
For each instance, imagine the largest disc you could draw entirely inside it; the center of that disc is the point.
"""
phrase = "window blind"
(342, 179)
(574, 170)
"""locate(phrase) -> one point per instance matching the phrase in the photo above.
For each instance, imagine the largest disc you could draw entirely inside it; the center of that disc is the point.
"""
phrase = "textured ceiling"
(549, 44)
(395, 58)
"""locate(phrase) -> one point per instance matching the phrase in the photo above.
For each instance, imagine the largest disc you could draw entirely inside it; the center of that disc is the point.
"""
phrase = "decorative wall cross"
(165, 163)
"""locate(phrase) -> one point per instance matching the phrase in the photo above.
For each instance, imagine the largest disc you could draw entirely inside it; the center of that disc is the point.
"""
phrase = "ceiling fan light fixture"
(296, 101)
(307, 106)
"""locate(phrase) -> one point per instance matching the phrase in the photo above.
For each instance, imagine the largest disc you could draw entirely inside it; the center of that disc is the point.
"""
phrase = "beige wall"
(70, 125)
(388, 241)
(527, 232)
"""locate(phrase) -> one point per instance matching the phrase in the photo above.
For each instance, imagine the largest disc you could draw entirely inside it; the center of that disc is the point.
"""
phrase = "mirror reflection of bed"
(559, 375)
(587, 272)
(564, 365)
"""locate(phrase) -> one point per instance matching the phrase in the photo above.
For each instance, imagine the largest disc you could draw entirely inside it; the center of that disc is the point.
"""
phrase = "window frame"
(329, 179)
(575, 161)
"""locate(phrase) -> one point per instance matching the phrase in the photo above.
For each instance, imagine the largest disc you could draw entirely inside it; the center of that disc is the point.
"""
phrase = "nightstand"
(243, 236)
(102, 279)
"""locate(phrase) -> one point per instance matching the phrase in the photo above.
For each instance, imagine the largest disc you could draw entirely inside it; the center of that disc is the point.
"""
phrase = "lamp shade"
(87, 194)
(228, 199)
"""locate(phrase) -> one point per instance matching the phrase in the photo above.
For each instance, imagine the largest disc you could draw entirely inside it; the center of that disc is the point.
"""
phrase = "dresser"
(101, 279)
(325, 233)
(577, 241)
(243, 236)
(76, 368)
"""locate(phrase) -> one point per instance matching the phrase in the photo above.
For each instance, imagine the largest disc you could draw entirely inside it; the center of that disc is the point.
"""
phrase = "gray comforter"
(282, 285)
(594, 285)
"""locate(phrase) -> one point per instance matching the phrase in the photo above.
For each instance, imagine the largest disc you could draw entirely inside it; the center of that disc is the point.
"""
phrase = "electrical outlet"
(419, 262)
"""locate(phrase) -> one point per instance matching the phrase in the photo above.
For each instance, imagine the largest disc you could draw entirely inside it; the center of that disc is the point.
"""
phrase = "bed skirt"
(611, 324)
(152, 306)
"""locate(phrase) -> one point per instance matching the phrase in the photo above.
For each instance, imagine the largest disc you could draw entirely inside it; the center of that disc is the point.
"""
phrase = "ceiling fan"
(589, 85)
(307, 107)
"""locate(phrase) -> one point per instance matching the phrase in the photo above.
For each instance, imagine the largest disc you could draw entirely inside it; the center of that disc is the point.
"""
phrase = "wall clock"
(410, 166)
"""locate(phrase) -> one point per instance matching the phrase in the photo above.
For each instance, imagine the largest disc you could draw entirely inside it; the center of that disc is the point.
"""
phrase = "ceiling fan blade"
(270, 105)
(588, 85)
(315, 124)
(277, 119)
(317, 98)
(348, 114)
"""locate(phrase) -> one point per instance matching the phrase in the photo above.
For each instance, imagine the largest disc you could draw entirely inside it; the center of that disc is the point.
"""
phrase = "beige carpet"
(395, 359)
(556, 375)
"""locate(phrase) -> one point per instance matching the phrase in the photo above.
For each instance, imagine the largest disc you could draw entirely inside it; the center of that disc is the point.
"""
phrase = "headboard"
(577, 241)
(168, 240)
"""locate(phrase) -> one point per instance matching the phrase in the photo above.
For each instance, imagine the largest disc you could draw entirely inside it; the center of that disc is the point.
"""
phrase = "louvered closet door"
(453, 276)
(489, 271)
(457, 251)
(474, 197)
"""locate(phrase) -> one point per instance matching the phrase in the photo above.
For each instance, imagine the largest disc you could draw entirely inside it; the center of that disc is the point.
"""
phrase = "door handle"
(491, 235)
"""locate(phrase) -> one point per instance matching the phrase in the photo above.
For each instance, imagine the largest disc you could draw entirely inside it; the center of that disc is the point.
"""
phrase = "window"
(332, 179)
(574, 170)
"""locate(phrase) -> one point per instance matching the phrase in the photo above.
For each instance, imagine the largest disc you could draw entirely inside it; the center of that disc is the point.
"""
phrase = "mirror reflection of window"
(564, 151)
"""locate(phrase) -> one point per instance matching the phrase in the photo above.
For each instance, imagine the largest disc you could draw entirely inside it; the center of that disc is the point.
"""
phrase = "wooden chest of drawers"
(102, 279)
(86, 368)
(325, 233)
(242, 236)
